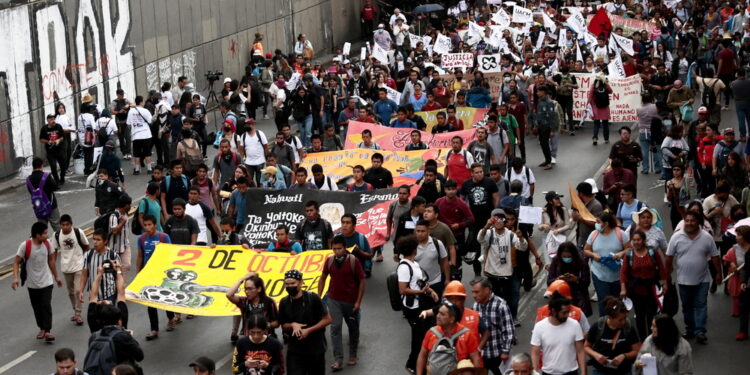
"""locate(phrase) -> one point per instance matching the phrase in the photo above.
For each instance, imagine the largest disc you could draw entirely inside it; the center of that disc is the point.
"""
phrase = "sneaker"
(543, 164)
(713, 288)
(572, 133)
(548, 167)
(265, 117)
(554, 161)
(606, 141)
(595, 141)
(701, 339)
(742, 336)
(379, 258)
(233, 338)
(725, 108)
(411, 370)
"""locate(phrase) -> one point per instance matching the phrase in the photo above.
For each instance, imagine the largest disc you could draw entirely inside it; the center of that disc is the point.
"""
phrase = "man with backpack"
(344, 298)
(147, 243)
(314, 232)
(225, 162)
(189, 151)
(627, 151)
(106, 192)
(362, 250)
(447, 343)
(86, 136)
(547, 124)
(35, 266)
(119, 108)
(71, 244)
(284, 152)
(458, 162)
(42, 189)
(174, 185)
(711, 89)
(111, 345)
(253, 146)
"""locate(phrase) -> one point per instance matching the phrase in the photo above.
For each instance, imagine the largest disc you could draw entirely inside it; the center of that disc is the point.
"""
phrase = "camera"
(213, 75)
(108, 266)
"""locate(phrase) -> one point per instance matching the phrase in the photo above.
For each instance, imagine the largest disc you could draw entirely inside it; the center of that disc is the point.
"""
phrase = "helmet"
(558, 286)
(455, 289)
(702, 110)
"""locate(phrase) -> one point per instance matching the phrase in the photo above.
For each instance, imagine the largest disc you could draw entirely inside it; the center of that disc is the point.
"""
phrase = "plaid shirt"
(495, 315)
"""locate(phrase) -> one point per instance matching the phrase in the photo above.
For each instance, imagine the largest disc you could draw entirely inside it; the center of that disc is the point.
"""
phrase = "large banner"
(631, 25)
(396, 139)
(269, 208)
(468, 115)
(338, 164)
(195, 279)
(624, 100)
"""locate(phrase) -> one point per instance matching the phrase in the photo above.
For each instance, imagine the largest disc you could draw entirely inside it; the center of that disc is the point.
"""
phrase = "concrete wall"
(56, 50)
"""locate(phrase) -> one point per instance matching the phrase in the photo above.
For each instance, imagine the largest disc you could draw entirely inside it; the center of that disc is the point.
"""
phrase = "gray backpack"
(443, 357)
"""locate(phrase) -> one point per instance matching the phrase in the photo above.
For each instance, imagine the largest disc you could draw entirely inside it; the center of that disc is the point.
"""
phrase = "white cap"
(227, 80)
(591, 182)
(381, 26)
(347, 62)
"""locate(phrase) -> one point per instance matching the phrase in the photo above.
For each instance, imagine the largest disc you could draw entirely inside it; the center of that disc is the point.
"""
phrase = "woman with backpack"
(599, 101)
(189, 151)
(642, 270)
(647, 221)
(605, 246)
(612, 343)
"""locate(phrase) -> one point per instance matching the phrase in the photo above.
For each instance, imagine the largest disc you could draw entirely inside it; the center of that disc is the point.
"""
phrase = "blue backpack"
(39, 200)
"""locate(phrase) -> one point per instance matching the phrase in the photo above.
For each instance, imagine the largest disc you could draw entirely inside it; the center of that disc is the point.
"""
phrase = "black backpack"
(708, 99)
(101, 357)
(394, 296)
(102, 223)
(601, 96)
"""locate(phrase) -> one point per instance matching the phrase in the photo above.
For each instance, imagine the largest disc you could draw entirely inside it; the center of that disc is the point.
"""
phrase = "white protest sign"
(400, 66)
(616, 68)
(624, 100)
(347, 48)
(579, 56)
(292, 84)
(414, 39)
(548, 23)
(577, 23)
(530, 215)
(554, 68)
(521, 14)
(442, 44)
(476, 30)
(363, 54)
(589, 38)
(562, 39)
(393, 94)
(457, 60)
(496, 38)
(540, 40)
(625, 43)
(501, 18)
(427, 40)
(489, 63)
(380, 54)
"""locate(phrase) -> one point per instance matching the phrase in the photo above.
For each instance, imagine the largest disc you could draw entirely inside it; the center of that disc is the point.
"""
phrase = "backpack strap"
(142, 241)
(57, 237)
(167, 180)
(437, 333)
(458, 334)
(618, 233)
(27, 253)
(77, 231)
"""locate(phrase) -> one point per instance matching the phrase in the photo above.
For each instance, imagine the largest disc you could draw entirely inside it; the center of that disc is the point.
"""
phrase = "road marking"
(219, 364)
(17, 361)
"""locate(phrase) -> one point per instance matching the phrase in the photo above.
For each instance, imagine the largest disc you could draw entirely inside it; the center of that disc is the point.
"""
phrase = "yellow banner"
(339, 164)
(195, 279)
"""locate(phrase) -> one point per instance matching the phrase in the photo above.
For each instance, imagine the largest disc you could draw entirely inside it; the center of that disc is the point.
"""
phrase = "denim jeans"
(305, 130)
(553, 141)
(743, 117)
(645, 141)
(604, 124)
(603, 290)
(694, 307)
(342, 312)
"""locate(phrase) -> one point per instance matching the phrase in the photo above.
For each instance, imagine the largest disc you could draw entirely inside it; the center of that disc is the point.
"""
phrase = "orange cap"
(455, 289)
(558, 286)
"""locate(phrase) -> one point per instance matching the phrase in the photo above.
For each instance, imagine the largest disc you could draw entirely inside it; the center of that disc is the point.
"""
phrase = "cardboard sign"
(457, 60)
(624, 100)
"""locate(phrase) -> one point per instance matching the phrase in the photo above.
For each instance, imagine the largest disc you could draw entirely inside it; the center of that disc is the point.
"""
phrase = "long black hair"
(561, 266)
(667, 336)
(550, 209)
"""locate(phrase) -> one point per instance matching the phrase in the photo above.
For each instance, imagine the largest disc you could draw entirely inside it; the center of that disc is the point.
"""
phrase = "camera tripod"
(211, 93)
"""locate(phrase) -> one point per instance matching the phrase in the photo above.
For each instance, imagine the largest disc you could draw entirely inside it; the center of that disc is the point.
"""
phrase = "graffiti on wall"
(169, 69)
(53, 56)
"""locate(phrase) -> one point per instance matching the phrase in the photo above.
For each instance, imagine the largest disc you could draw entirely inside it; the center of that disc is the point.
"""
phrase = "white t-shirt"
(512, 175)
(38, 274)
(196, 212)
(138, 120)
(108, 123)
(558, 344)
(64, 121)
(71, 253)
(84, 120)
(255, 146)
(403, 277)
(429, 256)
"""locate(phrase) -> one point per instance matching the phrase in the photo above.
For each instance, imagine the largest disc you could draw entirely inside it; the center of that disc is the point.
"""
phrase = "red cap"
(268, 55)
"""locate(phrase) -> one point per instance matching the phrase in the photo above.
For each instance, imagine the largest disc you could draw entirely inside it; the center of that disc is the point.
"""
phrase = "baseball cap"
(727, 131)
(702, 110)
(204, 363)
(552, 195)
(498, 212)
(227, 80)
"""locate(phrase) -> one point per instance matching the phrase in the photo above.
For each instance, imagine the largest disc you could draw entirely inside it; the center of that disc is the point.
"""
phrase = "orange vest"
(543, 312)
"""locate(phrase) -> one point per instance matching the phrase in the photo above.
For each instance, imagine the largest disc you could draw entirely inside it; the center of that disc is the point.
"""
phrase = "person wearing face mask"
(570, 268)
(605, 246)
(303, 318)
(258, 353)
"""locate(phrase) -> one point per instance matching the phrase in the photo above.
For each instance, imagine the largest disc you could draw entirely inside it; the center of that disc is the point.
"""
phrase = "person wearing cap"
(584, 228)
(465, 341)
(555, 218)
(303, 317)
(203, 366)
(382, 38)
(678, 96)
(106, 191)
(269, 180)
(53, 137)
(498, 323)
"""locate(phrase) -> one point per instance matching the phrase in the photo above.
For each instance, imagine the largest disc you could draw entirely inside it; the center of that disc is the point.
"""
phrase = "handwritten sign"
(522, 15)
(442, 44)
(347, 48)
(457, 60)
(489, 63)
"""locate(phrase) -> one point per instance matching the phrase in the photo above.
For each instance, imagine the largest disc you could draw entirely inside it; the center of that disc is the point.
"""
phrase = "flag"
(579, 56)
(600, 23)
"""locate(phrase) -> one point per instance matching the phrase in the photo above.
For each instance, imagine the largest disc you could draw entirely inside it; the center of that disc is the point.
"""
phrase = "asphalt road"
(384, 334)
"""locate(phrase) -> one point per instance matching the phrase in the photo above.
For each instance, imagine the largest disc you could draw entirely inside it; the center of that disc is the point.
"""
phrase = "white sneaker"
(265, 117)
(554, 161)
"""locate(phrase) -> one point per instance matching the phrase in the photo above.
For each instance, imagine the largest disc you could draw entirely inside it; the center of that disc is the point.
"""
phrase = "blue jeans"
(645, 141)
(553, 141)
(305, 130)
(743, 117)
(694, 307)
(604, 124)
(603, 290)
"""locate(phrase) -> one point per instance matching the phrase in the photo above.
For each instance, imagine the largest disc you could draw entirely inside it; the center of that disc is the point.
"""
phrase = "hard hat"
(455, 289)
(558, 286)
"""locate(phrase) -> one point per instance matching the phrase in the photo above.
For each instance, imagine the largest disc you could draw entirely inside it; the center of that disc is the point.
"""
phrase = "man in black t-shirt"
(175, 185)
(181, 228)
(314, 233)
(303, 318)
(53, 137)
(481, 194)
(377, 176)
(316, 95)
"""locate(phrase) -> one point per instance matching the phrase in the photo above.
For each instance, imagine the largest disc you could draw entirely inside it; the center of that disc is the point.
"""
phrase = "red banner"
(396, 139)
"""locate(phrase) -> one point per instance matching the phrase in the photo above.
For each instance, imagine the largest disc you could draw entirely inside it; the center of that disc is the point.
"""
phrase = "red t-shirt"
(344, 284)
(470, 320)
(465, 344)
(456, 123)
(727, 56)
(368, 12)
(431, 106)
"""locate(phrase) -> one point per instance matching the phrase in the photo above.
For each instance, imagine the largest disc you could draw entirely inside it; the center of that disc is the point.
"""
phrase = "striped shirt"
(94, 260)
(495, 315)
(118, 242)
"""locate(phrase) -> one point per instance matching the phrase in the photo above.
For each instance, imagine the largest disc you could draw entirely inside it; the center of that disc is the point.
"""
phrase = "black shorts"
(142, 148)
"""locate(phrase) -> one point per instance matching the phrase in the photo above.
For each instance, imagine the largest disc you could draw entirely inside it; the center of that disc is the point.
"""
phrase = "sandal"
(152, 336)
(73, 318)
(337, 366)
(352, 361)
(40, 335)
(379, 258)
(79, 320)
(49, 337)
(190, 316)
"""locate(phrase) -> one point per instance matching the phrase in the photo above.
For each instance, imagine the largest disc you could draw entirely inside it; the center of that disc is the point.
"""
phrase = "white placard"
(501, 18)
(380, 54)
(400, 66)
(548, 23)
(579, 56)
(625, 43)
(562, 39)
(363, 54)
(489, 63)
(477, 30)
(347, 48)
(530, 215)
(393, 94)
(442, 44)
(414, 39)
(540, 40)
(522, 15)
(577, 23)
(650, 364)
(457, 60)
